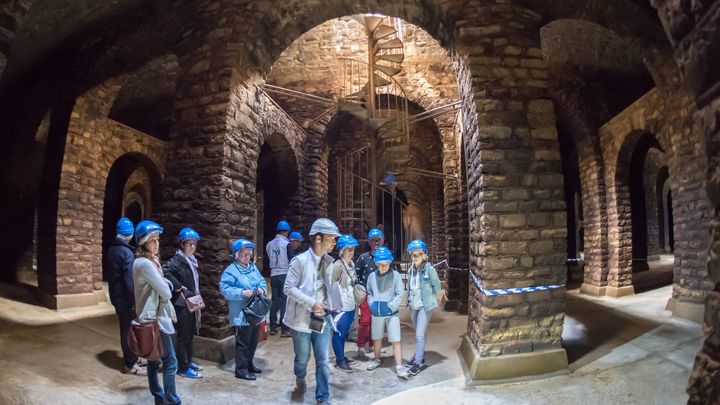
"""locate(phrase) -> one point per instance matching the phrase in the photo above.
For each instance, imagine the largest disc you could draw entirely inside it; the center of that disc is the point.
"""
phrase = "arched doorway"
(132, 189)
(276, 186)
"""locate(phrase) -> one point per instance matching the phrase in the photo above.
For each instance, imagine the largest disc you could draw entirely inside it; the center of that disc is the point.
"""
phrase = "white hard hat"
(325, 227)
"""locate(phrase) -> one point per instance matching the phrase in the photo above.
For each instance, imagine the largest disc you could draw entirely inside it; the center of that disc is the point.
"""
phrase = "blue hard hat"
(382, 254)
(389, 178)
(296, 236)
(145, 227)
(125, 227)
(241, 243)
(188, 233)
(375, 233)
(417, 244)
(282, 226)
(346, 241)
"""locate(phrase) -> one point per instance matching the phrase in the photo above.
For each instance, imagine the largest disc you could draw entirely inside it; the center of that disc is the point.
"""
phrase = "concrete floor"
(626, 350)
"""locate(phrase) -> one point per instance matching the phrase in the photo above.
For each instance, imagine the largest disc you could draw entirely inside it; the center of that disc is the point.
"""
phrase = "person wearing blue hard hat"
(296, 240)
(306, 287)
(423, 287)
(279, 252)
(341, 297)
(391, 204)
(182, 271)
(117, 268)
(239, 281)
(384, 291)
(364, 266)
(153, 293)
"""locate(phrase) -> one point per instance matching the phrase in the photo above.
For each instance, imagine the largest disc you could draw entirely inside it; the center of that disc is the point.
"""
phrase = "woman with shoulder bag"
(152, 304)
(237, 284)
(423, 286)
(342, 298)
(182, 271)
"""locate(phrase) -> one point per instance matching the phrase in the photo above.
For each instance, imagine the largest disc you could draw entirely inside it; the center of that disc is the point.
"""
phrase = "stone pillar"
(582, 126)
(456, 220)
(516, 201)
(437, 231)
(592, 182)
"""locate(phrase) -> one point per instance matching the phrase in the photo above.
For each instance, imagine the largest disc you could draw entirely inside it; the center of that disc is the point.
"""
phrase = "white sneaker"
(373, 365)
(135, 370)
(401, 372)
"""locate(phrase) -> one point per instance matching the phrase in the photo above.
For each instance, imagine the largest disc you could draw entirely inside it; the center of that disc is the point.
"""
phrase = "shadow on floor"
(659, 274)
(592, 330)
(110, 359)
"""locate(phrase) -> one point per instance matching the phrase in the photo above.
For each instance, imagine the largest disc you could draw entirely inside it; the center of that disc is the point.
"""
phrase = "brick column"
(516, 201)
(592, 182)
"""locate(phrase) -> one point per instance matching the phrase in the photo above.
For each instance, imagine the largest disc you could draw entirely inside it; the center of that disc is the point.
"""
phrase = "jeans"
(420, 320)
(126, 316)
(320, 343)
(246, 340)
(185, 328)
(169, 362)
(339, 336)
(364, 321)
(279, 300)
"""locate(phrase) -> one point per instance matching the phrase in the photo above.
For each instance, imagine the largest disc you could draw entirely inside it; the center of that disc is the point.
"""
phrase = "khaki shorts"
(393, 327)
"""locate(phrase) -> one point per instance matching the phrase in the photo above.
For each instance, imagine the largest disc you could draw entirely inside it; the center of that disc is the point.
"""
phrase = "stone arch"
(71, 222)
(671, 122)
(629, 217)
(122, 190)
(517, 220)
(277, 185)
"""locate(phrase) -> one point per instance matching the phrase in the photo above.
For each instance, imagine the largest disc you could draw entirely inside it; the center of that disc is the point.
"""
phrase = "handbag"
(193, 303)
(359, 290)
(256, 308)
(359, 293)
(144, 340)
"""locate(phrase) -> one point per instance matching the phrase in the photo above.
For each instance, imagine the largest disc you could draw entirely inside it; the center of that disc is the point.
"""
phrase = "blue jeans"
(340, 335)
(420, 320)
(279, 300)
(169, 362)
(320, 343)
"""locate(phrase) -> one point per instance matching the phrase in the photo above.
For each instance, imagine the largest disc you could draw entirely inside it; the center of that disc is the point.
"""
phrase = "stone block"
(513, 221)
(505, 368)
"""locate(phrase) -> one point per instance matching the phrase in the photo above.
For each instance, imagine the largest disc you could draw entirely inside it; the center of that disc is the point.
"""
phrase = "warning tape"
(505, 291)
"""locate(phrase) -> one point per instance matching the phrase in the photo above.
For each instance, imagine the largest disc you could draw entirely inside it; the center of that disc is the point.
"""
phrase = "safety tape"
(505, 291)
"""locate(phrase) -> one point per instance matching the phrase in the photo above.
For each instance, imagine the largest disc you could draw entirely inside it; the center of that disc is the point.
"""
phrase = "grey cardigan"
(152, 295)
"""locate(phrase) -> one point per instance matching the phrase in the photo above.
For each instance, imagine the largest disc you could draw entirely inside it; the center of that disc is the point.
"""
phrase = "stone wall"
(94, 143)
(11, 13)
(667, 113)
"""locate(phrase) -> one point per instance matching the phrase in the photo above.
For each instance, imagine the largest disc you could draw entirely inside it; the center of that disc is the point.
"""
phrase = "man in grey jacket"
(306, 289)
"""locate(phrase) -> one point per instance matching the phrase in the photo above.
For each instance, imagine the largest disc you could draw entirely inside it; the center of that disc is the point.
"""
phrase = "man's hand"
(247, 293)
(318, 308)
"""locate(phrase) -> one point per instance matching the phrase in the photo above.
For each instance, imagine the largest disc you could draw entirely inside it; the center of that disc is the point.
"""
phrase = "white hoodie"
(304, 286)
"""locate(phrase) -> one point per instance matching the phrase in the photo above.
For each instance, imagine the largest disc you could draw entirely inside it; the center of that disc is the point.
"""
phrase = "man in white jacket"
(306, 288)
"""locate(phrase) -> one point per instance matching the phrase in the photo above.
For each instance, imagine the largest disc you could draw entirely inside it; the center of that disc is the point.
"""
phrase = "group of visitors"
(316, 295)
